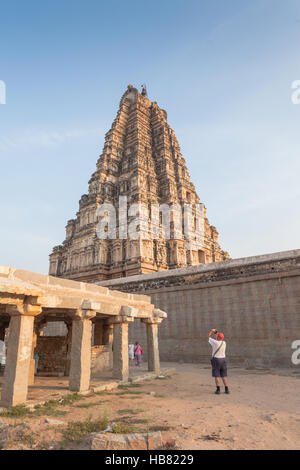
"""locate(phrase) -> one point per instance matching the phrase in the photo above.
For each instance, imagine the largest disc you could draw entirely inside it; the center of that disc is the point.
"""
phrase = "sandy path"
(262, 411)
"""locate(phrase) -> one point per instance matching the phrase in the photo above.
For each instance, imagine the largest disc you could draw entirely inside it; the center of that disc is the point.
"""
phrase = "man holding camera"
(218, 361)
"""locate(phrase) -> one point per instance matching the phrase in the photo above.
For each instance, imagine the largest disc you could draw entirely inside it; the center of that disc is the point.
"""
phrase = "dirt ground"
(261, 412)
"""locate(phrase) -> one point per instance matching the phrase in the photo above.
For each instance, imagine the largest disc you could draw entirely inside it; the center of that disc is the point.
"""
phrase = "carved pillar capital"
(24, 308)
(82, 314)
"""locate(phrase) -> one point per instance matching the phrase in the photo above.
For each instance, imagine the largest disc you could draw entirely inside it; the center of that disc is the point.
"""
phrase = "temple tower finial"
(144, 90)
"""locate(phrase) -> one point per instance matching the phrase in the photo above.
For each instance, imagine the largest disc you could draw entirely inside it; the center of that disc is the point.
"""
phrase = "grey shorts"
(219, 367)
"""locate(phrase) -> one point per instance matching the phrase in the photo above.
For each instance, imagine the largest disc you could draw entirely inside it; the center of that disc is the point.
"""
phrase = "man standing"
(218, 361)
(138, 354)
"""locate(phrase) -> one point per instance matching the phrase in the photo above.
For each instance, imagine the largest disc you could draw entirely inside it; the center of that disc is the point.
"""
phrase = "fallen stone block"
(170, 443)
(154, 440)
(110, 441)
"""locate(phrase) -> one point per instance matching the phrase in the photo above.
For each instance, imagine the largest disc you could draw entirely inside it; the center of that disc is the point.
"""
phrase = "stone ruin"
(141, 161)
(29, 301)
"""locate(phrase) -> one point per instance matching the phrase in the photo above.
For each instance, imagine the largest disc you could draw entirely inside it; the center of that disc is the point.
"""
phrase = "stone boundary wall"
(102, 360)
(52, 351)
(255, 301)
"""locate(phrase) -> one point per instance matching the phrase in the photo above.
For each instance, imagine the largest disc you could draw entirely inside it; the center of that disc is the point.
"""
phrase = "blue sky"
(223, 71)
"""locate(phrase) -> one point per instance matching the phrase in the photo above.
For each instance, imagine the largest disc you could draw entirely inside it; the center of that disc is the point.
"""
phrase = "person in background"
(2, 357)
(36, 361)
(138, 354)
(218, 361)
(131, 352)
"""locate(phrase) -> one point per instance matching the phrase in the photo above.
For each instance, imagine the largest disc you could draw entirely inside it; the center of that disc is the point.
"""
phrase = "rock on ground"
(150, 441)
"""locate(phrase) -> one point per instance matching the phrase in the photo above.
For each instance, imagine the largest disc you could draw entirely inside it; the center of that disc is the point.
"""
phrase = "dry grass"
(76, 431)
(130, 411)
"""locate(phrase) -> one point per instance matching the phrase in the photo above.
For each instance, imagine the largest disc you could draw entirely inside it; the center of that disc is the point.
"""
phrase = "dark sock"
(226, 388)
(218, 388)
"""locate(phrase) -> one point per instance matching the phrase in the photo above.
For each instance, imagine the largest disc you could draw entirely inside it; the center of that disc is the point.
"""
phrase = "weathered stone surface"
(102, 360)
(169, 443)
(25, 309)
(141, 160)
(52, 351)
(16, 375)
(4, 271)
(255, 301)
(120, 352)
(15, 286)
(32, 361)
(56, 293)
(110, 441)
(80, 369)
(153, 351)
(236, 269)
(154, 440)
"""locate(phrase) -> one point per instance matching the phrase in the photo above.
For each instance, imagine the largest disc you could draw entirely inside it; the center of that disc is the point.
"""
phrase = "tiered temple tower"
(141, 160)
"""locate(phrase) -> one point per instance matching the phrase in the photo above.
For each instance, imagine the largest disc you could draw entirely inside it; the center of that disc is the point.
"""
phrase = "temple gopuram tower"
(141, 160)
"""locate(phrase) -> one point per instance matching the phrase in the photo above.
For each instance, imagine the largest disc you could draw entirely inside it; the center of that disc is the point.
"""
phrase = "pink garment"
(137, 349)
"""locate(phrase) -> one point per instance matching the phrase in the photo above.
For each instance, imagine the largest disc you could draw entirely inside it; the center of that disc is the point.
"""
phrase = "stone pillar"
(98, 333)
(15, 383)
(32, 361)
(80, 368)
(108, 334)
(107, 337)
(153, 351)
(2, 332)
(120, 351)
(69, 348)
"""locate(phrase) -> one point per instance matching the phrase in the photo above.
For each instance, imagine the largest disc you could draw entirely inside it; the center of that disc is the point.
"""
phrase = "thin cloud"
(44, 139)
